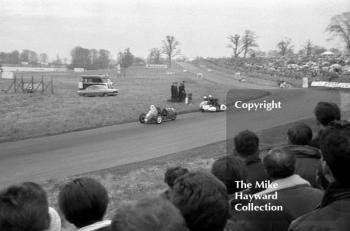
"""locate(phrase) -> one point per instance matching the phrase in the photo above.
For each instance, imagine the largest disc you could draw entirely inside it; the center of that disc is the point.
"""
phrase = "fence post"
(42, 84)
(22, 83)
(32, 90)
(51, 85)
(15, 83)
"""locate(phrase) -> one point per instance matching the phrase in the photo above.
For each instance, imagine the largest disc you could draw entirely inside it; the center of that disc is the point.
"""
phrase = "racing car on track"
(158, 115)
(210, 104)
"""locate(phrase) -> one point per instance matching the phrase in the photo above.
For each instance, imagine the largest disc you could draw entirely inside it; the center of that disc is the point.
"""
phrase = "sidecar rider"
(211, 100)
(153, 111)
(204, 102)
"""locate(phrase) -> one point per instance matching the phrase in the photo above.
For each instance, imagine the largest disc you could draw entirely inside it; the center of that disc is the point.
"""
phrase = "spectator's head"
(279, 163)
(24, 207)
(326, 112)
(299, 134)
(335, 148)
(83, 201)
(148, 214)
(246, 143)
(230, 169)
(172, 174)
(202, 200)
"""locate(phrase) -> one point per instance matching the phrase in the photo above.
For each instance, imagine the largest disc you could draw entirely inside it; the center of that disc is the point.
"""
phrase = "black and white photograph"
(174, 115)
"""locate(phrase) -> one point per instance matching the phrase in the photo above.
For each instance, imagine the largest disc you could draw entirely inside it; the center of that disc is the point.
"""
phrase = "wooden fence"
(30, 85)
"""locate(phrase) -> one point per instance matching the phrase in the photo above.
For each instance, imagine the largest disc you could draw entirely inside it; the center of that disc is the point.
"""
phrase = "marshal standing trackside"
(254, 106)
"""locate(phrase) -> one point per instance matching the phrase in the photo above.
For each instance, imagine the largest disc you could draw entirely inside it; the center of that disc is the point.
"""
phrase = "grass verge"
(32, 115)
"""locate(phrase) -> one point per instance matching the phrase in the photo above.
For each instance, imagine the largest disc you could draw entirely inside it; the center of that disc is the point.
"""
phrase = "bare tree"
(154, 56)
(169, 48)
(340, 27)
(242, 44)
(285, 46)
(248, 42)
(43, 58)
(235, 44)
(308, 48)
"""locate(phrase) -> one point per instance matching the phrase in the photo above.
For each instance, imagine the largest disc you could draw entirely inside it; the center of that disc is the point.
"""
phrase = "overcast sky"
(201, 26)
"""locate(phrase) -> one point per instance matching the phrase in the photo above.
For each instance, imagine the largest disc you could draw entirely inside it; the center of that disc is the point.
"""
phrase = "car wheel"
(202, 110)
(105, 94)
(159, 119)
(223, 107)
(142, 118)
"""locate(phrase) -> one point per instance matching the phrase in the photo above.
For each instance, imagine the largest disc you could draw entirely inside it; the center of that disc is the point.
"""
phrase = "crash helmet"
(205, 97)
(210, 96)
(152, 107)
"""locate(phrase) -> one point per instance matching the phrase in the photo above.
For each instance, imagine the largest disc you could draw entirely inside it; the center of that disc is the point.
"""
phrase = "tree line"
(246, 44)
(27, 56)
(242, 45)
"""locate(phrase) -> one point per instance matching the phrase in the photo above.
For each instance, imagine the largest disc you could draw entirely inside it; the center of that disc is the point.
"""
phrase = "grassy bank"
(32, 115)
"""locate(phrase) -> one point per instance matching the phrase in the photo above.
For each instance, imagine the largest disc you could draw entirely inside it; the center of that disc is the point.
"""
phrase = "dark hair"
(279, 163)
(325, 112)
(202, 200)
(148, 214)
(335, 148)
(24, 207)
(83, 201)
(300, 134)
(172, 174)
(246, 143)
(229, 169)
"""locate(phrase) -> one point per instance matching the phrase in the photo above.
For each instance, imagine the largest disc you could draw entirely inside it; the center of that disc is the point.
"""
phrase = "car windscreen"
(97, 87)
(92, 80)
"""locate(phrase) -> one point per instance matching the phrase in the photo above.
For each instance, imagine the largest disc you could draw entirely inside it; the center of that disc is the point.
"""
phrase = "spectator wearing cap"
(83, 202)
(307, 157)
(25, 207)
(334, 211)
(293, 194)
(148, 214)
(325, 112)
(247, 148)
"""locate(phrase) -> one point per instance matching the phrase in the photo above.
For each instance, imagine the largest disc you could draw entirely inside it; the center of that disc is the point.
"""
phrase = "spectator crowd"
(289, 69)
(309, 177)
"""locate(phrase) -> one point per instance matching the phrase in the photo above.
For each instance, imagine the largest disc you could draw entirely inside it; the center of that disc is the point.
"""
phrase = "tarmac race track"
(78, 152)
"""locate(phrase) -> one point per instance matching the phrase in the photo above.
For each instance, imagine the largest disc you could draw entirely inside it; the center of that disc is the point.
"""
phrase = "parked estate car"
(89, 80)
(98, 90)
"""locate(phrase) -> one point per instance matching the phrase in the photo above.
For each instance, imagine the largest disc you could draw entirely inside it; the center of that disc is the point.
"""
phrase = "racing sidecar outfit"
(151, 113)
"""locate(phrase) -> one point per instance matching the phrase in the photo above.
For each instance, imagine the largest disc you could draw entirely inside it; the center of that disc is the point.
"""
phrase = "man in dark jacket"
(307, 157)
(182, 92)
(172, 90)
(175, 92)
(247, 149)
(334, 211)
(287, 197)
(325, 112)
